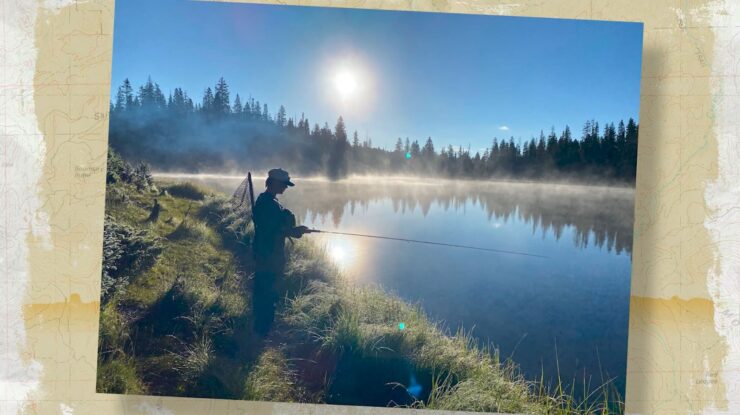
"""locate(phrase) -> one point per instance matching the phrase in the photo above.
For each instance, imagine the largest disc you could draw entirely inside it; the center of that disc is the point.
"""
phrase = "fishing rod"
(500, 251)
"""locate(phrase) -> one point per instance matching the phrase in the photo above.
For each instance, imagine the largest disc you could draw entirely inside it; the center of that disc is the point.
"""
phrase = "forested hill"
(218, 134)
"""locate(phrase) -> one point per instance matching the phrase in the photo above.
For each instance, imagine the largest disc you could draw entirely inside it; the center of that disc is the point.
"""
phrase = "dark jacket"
(271, 225)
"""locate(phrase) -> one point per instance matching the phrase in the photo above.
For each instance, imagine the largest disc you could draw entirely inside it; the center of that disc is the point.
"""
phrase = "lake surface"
(568, 310)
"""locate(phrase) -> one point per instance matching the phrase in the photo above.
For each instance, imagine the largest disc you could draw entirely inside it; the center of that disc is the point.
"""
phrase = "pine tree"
(621, 132)
(531, 151)
(415, 150)
(146, 96)
(120, 100)
(238, 105)
(280, 117)
(337, 163)
(125, 96)
(631, 150)
(221, 101)
(257, 111)
(208, 105)
(609, 147)
(179, 105)
(541, 153)
(250, 109)
(160, 102)
(428, 150)
(189, 107)
(306, 126)
(129, 94)
(340, 131)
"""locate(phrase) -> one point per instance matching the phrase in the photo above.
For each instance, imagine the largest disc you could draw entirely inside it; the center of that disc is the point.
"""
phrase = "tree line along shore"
(218, 134)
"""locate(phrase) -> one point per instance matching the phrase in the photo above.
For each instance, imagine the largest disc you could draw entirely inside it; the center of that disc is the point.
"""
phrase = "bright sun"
(349, 86)
(346, 83)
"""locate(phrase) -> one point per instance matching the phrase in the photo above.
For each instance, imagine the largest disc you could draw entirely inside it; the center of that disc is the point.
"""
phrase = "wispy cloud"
(504, 128)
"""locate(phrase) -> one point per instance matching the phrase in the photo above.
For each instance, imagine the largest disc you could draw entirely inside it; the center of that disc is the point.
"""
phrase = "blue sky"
(461, 79)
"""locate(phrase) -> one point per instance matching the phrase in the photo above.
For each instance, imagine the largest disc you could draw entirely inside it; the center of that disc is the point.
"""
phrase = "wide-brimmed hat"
(280, 175)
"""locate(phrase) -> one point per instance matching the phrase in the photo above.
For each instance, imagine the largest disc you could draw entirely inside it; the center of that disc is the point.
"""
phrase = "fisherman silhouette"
(272, 224)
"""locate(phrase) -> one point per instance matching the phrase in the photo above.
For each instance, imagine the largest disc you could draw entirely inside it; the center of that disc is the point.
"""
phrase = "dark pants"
(264, 295)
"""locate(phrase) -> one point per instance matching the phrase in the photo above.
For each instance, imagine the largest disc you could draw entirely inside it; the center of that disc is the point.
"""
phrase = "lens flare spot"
(414, 387)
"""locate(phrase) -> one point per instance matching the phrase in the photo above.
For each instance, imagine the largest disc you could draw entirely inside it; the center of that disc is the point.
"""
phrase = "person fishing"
(272, 224)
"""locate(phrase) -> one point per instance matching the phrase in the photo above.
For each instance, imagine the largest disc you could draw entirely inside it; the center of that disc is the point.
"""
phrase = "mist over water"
(572, 305)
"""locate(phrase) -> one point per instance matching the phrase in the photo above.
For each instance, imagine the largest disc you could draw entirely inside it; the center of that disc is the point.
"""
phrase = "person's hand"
(298, 231)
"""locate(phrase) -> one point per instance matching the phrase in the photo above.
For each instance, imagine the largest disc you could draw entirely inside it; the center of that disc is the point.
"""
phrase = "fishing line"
(500, 251)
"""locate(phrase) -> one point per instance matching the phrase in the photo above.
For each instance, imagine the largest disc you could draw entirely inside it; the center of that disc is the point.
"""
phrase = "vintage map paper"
(684, 340)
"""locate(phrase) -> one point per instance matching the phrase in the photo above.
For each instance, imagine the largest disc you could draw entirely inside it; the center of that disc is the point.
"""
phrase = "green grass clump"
(491, 387)
(186, 191)
(114, 330)
(119, 376)
(126, 251)
(191, 229)
(193, 358)
(272, 380)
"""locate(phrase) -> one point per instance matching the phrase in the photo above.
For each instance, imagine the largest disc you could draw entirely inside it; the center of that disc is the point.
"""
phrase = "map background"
(684, 344)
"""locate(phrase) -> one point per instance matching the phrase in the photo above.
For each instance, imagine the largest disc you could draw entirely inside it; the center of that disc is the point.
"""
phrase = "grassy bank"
(176, 320)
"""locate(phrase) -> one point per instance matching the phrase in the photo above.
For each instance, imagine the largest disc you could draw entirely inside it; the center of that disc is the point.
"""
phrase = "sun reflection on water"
(338, 254)
(342, 251)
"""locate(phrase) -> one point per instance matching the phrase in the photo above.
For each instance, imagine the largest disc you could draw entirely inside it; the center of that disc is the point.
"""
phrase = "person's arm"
(290, 228)
(298, 231)
(272, 218)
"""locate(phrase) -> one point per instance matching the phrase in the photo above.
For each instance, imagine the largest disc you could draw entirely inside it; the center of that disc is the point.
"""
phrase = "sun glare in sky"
(346, 83)
(350, 87)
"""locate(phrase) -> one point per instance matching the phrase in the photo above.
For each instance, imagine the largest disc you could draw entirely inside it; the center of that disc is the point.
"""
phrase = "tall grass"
(186, 191)
(119, 376)
(193, 359)
(190, 229)
(272, 379)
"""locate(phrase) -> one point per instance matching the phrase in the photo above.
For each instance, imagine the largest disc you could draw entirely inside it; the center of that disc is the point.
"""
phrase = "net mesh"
(240, 198)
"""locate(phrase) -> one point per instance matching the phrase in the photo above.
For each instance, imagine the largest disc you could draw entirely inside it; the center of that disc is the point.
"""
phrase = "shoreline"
(410, 180)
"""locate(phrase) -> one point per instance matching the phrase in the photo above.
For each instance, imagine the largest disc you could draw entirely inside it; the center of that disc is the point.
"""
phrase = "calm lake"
(568, 310)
